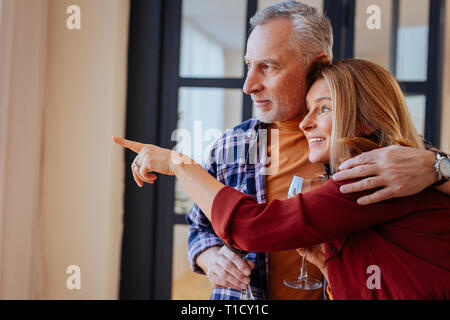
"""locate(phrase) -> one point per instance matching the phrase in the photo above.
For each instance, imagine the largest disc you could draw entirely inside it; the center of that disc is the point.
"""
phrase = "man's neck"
(288, 125)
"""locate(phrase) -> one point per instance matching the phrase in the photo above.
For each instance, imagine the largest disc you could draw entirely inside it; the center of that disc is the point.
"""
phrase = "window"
(409, 44)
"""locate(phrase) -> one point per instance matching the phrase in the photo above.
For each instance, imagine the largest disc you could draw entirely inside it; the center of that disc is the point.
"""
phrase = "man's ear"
(319, 61)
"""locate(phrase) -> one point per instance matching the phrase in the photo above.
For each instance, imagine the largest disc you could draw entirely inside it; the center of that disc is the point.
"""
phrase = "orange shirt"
(291, 152)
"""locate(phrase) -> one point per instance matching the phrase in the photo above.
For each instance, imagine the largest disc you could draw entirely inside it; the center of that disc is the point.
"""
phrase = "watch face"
(444, 167)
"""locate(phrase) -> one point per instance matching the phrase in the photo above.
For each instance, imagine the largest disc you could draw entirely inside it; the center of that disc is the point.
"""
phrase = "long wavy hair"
(369, 108)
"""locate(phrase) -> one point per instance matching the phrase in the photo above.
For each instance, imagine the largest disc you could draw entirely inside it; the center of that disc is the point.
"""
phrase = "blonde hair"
(369, 109)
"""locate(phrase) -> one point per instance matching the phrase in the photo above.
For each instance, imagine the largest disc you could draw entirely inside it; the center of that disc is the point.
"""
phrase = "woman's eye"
(325, 109)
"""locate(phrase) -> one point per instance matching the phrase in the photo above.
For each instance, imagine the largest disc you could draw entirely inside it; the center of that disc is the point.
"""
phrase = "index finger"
(380, 195)
(132, 145)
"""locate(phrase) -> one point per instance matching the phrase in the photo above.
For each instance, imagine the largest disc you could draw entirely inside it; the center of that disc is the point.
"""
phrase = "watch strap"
(441, 178)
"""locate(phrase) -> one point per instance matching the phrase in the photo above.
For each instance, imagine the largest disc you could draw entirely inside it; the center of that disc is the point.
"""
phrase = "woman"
(353, 106)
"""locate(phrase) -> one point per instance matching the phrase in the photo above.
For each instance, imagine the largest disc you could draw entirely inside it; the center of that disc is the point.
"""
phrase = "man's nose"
(252, 83)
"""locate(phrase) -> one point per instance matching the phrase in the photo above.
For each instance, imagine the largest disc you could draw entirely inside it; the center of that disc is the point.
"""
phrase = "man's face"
(276, 76)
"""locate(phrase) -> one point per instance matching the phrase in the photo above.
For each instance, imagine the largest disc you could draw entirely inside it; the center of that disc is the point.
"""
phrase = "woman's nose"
(307, 124)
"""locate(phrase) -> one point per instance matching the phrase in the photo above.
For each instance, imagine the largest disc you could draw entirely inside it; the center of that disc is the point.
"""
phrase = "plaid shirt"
(237, 160)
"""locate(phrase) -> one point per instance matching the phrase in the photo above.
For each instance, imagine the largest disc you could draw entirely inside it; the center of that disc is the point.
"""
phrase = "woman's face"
(317, 123)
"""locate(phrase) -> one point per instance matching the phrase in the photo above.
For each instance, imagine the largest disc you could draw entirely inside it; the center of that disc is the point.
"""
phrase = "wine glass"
(302, 185)
(246, 294)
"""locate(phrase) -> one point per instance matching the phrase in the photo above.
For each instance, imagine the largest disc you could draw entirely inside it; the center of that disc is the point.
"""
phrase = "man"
(286, 37)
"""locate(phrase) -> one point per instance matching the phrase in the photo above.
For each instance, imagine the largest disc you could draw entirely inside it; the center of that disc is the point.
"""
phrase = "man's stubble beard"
(278, 113)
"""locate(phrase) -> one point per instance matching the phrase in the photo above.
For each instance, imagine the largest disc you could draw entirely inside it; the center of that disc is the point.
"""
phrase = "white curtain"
(23, 31)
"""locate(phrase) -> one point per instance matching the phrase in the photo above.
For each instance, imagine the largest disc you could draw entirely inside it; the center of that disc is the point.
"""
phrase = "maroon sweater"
(408, 239)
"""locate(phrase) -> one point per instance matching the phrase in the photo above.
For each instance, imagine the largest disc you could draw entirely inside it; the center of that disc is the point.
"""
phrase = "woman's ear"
(323, 58)
(364, 129)
(368, 131)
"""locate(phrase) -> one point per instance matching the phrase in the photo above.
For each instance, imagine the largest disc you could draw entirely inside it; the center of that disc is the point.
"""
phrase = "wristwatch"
(442, 167)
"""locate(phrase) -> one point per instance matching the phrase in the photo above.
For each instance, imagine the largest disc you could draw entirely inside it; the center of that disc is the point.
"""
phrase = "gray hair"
(313, 33)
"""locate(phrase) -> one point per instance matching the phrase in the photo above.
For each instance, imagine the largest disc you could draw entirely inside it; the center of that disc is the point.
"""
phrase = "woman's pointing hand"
(150, 158)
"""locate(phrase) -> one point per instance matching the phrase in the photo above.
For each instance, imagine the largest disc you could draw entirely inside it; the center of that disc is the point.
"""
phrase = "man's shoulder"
(252, 123)
(238, 137)
(242, 128)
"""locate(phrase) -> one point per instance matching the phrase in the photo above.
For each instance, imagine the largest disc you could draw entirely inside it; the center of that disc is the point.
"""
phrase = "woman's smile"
(315, 141)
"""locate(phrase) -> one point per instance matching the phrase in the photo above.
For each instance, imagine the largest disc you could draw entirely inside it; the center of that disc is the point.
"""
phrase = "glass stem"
(244, 294)
(247, 294)
(250, 294)
(303, 270)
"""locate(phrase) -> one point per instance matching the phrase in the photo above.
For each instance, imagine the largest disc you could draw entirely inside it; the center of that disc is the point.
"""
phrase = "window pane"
(213, 38)
(204, 115)
(412, 45)
(417, 107)
(373, 44)
(314, 3)
(186, 285)
(183, 202)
